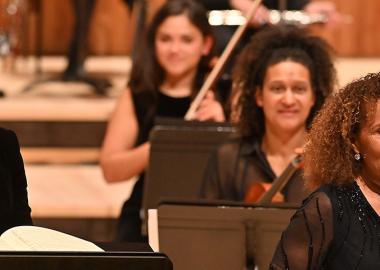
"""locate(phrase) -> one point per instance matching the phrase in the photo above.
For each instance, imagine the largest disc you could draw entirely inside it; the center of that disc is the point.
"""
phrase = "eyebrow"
(375, 126)
(295, 81)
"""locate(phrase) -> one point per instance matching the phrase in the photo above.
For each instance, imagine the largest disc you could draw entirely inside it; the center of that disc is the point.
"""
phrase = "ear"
(259, 97)
(314, 98)
(207, 45)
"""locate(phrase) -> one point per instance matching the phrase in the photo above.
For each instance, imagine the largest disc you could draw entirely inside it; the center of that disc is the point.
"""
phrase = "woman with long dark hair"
(168, 71)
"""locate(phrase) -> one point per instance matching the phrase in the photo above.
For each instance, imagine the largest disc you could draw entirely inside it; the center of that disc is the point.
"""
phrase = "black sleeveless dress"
(147, 108)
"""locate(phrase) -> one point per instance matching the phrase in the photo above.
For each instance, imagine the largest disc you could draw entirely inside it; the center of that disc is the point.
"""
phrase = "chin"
(289, 126)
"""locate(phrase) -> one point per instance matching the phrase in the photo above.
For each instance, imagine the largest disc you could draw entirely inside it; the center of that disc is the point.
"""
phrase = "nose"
(288, 97)
(174, 46)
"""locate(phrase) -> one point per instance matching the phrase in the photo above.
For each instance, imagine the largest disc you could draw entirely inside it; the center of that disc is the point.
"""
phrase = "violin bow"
(282, 180)
(217, 70)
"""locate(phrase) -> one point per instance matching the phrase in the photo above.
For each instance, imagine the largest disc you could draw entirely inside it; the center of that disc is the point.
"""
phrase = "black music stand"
(84, 260)
(220, 235)
(178, 157)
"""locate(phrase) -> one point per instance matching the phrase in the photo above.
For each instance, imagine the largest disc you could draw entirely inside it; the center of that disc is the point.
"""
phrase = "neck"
(283, 144)
(372, 196)
(370, 183)
(178, 86)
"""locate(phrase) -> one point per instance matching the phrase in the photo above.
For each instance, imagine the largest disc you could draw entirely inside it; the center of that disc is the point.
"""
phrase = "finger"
(214, 114)
(209, 95)
(299, 150)
(206, 103)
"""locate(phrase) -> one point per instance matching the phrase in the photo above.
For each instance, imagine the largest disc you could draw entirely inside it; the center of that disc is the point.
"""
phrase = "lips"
(288, 111)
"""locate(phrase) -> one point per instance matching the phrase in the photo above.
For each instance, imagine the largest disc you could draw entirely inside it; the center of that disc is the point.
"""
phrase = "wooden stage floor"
(65, 184)
(64, 180)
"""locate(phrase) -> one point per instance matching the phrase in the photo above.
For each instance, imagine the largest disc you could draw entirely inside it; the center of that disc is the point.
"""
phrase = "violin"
(260, 193)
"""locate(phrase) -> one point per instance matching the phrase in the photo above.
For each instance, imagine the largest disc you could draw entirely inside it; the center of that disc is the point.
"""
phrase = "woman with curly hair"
(281, 79)
(338, 226)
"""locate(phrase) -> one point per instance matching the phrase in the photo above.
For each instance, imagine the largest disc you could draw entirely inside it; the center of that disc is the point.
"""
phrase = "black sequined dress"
(336, 228)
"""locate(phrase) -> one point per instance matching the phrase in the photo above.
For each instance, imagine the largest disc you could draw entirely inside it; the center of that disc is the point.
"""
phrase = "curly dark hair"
(272, 46)
(329, 154)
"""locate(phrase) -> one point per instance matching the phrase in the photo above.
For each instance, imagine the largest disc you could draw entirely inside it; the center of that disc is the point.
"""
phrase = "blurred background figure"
(281, 79)
(262, 17)
(166, 75)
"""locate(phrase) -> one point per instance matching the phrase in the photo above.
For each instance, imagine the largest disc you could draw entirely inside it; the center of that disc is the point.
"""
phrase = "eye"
(187, 39)
(377, 131)
(277, 88)
(163, 38)
(299, 89)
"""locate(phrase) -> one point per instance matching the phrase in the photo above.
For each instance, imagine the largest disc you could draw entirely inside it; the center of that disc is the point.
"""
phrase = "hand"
(210, 109)
(299, 150)
(326, 8)
(261, 17)
(257, 190)
(278, 197)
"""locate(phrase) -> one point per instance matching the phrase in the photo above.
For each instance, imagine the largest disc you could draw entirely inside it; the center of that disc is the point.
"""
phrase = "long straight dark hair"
(147, 74)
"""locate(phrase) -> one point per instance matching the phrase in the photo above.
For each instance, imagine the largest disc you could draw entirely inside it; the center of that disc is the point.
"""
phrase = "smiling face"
(286, 97)
(180, 46)
(367, 144)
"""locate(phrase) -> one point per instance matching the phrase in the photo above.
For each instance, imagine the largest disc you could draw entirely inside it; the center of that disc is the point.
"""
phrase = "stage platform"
(61, 126)
(59, 122)
(74, 198)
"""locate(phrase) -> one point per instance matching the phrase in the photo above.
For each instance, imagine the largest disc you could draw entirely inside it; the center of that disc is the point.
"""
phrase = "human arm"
(306, 241)
(311, 7)
(211, 186)
(220, 173)
(120, 159)
(261, 15)
(326, 8)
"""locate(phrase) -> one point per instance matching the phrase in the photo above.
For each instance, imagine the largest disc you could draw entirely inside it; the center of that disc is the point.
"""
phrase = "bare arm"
(327, 8)
(261, 15)
(241, 4)
(119, 158)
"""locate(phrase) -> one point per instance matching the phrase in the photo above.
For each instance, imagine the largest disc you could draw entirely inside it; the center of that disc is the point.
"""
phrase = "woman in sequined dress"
(338, 226)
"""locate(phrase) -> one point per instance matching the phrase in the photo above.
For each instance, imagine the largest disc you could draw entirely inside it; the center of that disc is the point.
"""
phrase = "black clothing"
(336, 228)
(14, 207)
(290, 4)
(271, 4)
(236, 165)
(78, 46)
(215, 4)
(146, 109)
